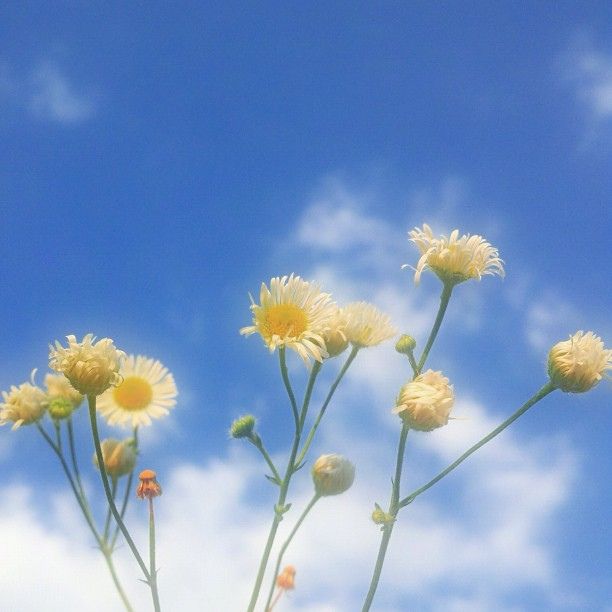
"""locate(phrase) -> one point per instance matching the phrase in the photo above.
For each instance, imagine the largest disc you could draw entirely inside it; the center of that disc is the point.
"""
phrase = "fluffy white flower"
(366, 325)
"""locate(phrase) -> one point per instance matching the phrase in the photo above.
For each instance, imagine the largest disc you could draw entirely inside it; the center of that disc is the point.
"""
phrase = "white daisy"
(147, 391)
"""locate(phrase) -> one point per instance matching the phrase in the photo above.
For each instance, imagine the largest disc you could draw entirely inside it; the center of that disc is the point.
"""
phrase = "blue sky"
(160, 162)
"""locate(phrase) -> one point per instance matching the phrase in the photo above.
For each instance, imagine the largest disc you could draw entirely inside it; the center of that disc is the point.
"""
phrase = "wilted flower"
(148, 487)
(366, 325)
(58, 386)
(23, 405)
(334, 336)
(286, 579)
(146, 391)
(119, 456)
(455, 259)
(293, 313)
(90, 367)
(243, 426)
(578, 364)
(425, 402)
(332, 474)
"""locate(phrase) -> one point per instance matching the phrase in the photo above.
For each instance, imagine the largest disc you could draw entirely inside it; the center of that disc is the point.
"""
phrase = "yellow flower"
(366, 325)
(335, 335)
(58, 386)
(90, 367)
(23, 405)
(147, 390)
(578, 364)
(332, 474)
(455, 259)
(425, 402)
(119, 456)
(293, 313)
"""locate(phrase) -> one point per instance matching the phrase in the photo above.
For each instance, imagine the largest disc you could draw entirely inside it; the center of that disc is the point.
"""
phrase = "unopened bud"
(119, 456)
(243, 426)
(332, 474)
(405, 345)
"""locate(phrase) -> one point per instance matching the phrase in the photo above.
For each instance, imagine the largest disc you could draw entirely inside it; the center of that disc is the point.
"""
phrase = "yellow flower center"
(134, 393)
(284, 320)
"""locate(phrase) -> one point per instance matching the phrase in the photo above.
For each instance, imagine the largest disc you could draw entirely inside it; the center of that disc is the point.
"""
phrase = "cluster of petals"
(455, 259)
(578, 364)
(23, 405)
(425, 402)
(366, 325)
(332, 474)
(91, 367)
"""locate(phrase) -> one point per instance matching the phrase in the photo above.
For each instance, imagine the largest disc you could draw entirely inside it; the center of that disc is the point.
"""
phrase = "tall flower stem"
(153, 570)
(82, 502)
(543, 392)
(280, 508)
(73, 457)
(388, 526)
(285, 545)
(444, 300)
(257, 442)
(91, 399)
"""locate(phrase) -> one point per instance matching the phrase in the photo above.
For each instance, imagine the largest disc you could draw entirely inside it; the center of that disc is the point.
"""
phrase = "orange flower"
(148, 487)
(286, 579)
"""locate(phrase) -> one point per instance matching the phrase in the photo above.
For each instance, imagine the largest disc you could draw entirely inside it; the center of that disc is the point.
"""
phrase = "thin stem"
(278, 596)
(444, 299)
(107, 490)
(332, 390)
(73, 457)
(58, 435)
(284, 547)
(111, 568)
(108, 513)
(153, 570)
(413, 363)
(256, 441)
(388, 527)
(543, 392)
(285, 376)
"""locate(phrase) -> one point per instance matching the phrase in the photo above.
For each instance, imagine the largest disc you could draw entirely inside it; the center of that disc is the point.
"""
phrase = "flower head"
(425, 402)
(148, 487)
(334, 336)
(90, 367)
(405, 345)
(366, 325)
(332, 474)
(58, 386)
(286, 579)
(292, 313)
(243, 426)
(147, 390)
(455, 259)
(119, 456)
(23, 405)
(578, 364)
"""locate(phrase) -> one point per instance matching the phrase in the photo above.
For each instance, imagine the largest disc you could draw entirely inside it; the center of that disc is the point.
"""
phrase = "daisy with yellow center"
(147, 391)
(578, 364)
(292, 313)
(366, 325)
(454, 259)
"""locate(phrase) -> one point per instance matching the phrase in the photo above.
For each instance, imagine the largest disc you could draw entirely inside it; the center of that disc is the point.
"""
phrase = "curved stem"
(285, 545)
(332, 390)
(285, 376)
(153, 570)
(388, 527)
(543, 392)
(91, 399)
(257, 442)
(111, 568)
(444, 299)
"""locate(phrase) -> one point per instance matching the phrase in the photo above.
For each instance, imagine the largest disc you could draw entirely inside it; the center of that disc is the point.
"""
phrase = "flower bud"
(578, 364)
(425, 402)
(286, 579)
(148, 487)
(119, 456)
(60, 408)
(334, 337)
(405, 345)
(380, 517)
(243, 426)
(58, 386)
(332, 474)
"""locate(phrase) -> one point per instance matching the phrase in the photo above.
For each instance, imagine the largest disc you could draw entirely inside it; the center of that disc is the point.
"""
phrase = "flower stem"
(285, 376)
(111, 568)
(257, 442)
(332, 390)
(108, 513)
(91, 399)
(388, 527)
(285, 545)
(444, 299)
(153, 570)
(73, 457)
(543, 392)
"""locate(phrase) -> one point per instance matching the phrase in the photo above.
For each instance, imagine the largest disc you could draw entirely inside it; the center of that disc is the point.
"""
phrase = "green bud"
(405, 345)
(243, 426)
(380, 517)
(60, 408)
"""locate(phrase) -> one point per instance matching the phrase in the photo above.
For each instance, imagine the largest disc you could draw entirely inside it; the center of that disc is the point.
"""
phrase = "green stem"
(91, 399)
(444, 299)
(332, 390)
(388, 527)
(108, 513)
(285, 376)
(543, 392)
(73, 458)
(153, 570)
(256, 441)
(285, 545)
(86, 513)
(413, 363)
(58, 435)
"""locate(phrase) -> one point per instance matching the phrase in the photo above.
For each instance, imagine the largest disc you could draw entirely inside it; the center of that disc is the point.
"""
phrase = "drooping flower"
(366, 325)
(578, 364)
(91, 367)
(455, 259)
(425, 402)
(23, 405)
(148, 487)
(292, 313)
(119, 456)
(286, 579)
(147, 391)
(332, 474)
